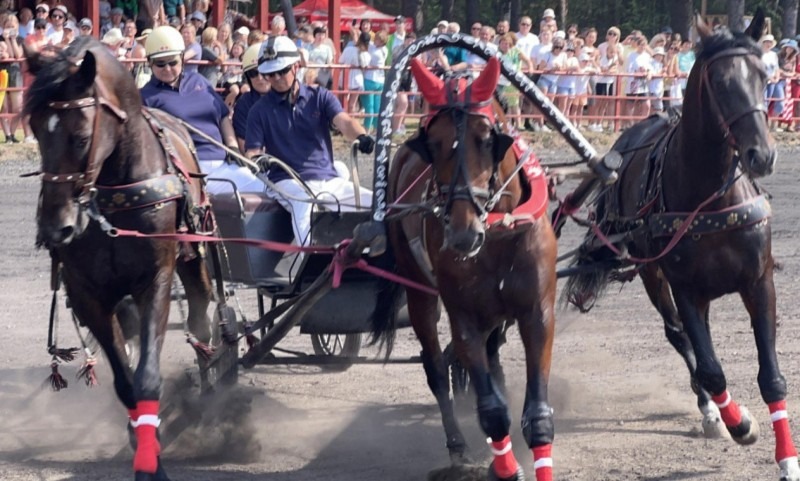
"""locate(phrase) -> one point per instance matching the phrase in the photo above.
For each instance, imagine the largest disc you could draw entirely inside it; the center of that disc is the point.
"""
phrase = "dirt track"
(624, 410)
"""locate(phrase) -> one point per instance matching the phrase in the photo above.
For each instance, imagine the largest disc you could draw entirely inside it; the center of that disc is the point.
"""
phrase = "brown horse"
(687, 210)
(104, 164)
(490, 252)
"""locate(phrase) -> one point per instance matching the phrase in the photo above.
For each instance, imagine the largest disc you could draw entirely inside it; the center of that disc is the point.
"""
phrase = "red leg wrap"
(543, 462)
(505, 464)
(784, 447)
(147, 446)
(731, 415)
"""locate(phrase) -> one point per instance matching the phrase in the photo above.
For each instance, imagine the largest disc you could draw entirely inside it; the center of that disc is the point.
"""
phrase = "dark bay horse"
(489, 251)
(105, 161)
(688, 216)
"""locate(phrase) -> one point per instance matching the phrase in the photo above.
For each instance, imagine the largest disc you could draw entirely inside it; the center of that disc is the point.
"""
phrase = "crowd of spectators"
(584, 75)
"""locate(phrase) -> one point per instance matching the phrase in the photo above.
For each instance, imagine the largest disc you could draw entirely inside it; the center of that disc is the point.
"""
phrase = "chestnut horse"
(104, 165)
(687, 209)
(488, 249)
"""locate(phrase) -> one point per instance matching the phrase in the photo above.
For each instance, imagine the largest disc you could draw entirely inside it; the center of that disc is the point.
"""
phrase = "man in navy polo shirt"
(292, 122)
(258, 87)
(189, 97)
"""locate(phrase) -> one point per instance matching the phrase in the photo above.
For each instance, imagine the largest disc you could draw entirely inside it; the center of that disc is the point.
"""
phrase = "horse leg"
(153, 305)
(492, 407)
(536, 328)
(759, 300)
(197, 286)
(657, 289)
(496, 339)
(422, 310)
(709, 371)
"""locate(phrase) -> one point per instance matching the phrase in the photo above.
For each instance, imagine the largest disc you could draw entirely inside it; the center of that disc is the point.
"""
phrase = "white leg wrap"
(790, 470)
(543, 463)
(146, 420)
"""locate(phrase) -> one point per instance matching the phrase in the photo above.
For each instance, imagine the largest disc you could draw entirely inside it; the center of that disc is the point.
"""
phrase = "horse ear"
(502, 143)
(87, 69)
(483, 88)
(702, 27)
(419, 145)
(756, 27)
(431, 86)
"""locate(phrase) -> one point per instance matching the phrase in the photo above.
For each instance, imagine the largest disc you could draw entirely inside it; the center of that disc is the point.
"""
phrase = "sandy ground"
(624, 410)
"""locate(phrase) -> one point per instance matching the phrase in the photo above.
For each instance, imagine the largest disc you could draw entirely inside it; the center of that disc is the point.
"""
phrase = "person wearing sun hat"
(771, 66)
(292, 122)
(189, 97)
(656, 84)
(85, 27)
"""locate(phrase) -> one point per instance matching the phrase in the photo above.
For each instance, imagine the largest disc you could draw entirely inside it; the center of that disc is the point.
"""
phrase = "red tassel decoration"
(204, 350)
(87, 372)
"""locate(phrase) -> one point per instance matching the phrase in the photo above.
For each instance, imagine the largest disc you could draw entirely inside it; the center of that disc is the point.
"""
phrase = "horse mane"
(55, 70)
(724, 39)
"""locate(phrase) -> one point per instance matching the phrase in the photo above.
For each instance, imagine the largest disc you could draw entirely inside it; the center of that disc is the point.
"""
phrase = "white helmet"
(276, 54)
(250, 57)
(164, 41)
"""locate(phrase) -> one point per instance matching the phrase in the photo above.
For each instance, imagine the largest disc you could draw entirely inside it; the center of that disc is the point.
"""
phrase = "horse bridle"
(727, 123)
(459, 187)
(85, 180)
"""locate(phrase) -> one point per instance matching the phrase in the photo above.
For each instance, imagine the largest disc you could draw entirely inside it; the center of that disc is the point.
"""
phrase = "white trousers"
(242, 177)
(296, 201)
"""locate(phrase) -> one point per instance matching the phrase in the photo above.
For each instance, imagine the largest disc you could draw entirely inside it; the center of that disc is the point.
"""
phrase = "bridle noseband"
(727, 123)
(85, 180)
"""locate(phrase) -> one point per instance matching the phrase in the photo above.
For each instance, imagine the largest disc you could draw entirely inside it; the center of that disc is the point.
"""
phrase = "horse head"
(78, 106)
(464, 146)
(732, 77)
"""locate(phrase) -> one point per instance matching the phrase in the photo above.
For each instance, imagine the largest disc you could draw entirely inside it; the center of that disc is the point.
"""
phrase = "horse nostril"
(64, 234)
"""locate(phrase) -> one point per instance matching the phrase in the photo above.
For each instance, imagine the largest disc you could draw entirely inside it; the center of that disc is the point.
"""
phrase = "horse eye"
(81, 142)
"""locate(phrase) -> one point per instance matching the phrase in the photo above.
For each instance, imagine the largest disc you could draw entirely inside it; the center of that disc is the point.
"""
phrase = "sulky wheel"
(341, 346)
(225, 371)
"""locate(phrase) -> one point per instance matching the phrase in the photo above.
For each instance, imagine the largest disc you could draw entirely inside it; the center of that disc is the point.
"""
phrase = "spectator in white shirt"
(525, 39)
(640, 67)
(57, 18)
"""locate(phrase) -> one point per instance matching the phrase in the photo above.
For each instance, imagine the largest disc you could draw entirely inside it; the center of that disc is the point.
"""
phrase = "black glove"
(366, 144)
(230, 158)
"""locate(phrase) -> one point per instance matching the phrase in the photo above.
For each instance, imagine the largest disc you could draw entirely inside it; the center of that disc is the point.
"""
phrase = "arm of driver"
(348, 126)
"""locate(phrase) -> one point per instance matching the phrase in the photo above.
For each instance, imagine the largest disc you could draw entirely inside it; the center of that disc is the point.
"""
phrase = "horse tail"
(383, 319)
(592, 271)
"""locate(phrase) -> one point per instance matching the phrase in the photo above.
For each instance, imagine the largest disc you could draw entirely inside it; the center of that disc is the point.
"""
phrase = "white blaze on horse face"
(52, 123)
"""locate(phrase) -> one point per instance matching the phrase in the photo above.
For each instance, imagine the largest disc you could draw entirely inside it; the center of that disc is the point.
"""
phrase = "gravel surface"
(624, 409)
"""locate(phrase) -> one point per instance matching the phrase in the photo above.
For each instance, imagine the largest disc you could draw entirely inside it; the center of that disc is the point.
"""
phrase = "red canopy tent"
(317, 10)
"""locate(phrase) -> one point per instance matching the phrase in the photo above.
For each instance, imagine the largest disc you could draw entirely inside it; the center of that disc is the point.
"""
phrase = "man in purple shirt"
(292, 122)
(258, 87)
(189, 97)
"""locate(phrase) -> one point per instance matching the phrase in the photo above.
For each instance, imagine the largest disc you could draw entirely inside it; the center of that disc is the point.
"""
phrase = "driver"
(292, 122)
(189, 97)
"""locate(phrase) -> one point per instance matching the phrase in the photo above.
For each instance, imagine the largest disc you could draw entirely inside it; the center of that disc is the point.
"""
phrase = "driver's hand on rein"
(366, 144)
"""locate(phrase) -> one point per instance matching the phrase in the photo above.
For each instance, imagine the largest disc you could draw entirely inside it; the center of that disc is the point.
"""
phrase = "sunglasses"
(612, 34)
(572, 31)
(84, 27)
(252, 74)
(56, 17)
(41, 28)
(524, 24)
(171, 63)
(279, 73)
(476, 28)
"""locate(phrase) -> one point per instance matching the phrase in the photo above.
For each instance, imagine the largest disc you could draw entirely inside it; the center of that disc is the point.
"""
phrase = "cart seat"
(254, 216)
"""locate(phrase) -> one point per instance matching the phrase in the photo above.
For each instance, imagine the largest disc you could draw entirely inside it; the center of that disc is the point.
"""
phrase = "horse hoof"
(713, 427)
(459, 458)
(790, 471)
(518, 476)
(747, 431)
